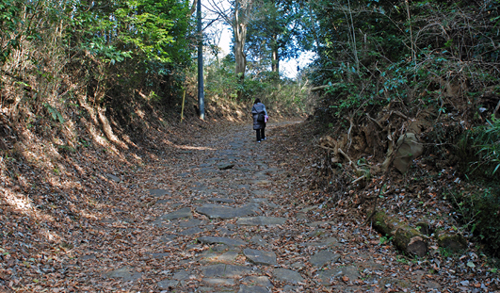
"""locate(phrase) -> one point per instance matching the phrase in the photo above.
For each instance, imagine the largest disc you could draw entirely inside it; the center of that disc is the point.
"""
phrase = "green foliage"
(10, 21)
(273, 33)
(108, 53)
(480, 209)
(284, 95)
(479, 150)
(373, 53)
(18, 21)
(446, 252)
(56, 116)
(385, 239)
(221, 80)
(148, 30)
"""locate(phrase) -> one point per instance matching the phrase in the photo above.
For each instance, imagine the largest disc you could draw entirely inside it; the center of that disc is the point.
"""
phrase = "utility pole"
(201, 97)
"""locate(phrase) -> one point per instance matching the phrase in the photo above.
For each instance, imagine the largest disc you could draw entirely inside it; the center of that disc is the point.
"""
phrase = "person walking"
(259, 114)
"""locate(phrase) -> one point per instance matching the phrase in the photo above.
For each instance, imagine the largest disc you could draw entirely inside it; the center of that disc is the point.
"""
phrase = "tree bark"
(453, 242)
(404, 237)
(242, 10)
(275, 65)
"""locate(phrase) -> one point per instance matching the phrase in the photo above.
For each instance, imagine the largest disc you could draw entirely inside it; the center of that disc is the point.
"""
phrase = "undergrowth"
(479, 149)
(478, 209)
(479, 205)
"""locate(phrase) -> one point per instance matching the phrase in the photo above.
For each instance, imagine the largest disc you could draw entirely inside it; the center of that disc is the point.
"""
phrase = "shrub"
(479, 150)
(480, 211)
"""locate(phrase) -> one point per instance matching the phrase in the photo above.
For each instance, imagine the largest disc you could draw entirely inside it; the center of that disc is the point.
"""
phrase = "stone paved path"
(219, 224)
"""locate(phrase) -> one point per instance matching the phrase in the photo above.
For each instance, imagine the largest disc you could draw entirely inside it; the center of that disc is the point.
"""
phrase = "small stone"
(114, 178)
(225, 166)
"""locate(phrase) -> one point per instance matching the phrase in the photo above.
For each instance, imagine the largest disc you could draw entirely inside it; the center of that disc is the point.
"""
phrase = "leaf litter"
(78, 229)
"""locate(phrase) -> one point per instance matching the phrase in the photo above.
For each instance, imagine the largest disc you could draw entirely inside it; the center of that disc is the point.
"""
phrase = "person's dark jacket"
(256, 109)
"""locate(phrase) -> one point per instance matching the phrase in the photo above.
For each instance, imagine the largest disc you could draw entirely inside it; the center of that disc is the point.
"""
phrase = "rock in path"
(260, 257)
(224, 166)
(114, 178)
(158, 192)
(213, 257)
(350, 272)
(168, 284)
(261, 281)
(288, 276)
(323, 257)
(222, 240)
(253, 289)
(214, 211)
(218, 282)
(226, 271)
(127, 274)
(179, 214)
(222, 200)
(257, 221)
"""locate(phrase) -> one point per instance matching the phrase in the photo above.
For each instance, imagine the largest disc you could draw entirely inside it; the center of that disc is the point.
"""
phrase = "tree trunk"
(242, 10)
(275, 57)
(239, 55)
(404, 237)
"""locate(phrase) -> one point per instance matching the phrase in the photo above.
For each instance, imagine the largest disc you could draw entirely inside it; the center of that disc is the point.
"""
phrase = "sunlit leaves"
(155, 31)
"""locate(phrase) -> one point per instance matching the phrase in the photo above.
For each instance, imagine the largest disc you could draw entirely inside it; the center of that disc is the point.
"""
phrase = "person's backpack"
(261, 117)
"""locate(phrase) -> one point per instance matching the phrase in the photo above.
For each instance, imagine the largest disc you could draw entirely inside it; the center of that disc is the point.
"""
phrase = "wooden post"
(183, 102)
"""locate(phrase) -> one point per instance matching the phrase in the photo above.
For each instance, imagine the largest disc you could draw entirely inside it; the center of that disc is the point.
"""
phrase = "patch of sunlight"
(135, 156)
(85, 214)
(51, 236)
(186, 147)
(96, 136)
(168, 142)
(18, 201)
(139, 113)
